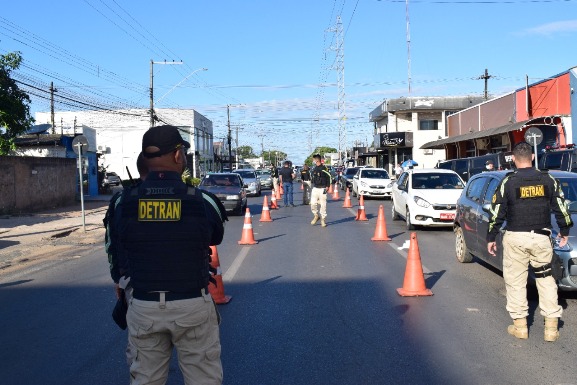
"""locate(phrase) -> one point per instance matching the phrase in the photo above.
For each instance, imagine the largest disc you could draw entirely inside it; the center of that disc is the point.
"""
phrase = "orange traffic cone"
(247, 234)
(414, 283)
(273, 204)
(336, 194)
(330, 189)
(361, 216)
(265, 216)
(347, 203)
(381, 229)
(277, 193)
(281, 188)
(217, 290)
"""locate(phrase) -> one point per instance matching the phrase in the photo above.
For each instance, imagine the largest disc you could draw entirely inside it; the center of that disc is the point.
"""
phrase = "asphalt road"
(310, 305)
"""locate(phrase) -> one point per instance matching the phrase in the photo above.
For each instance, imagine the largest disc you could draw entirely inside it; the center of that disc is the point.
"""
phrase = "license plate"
(447, 216)
(377, 191)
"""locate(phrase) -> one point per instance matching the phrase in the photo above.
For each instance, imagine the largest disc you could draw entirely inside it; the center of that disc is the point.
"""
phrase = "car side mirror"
(245, 186)
(486, 208)
(356, 177)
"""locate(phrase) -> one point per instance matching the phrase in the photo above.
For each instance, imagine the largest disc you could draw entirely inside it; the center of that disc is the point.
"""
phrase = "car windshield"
(436, 181)
(374, 174)
(220, 180)
(246, 174)
(569, 187)
(351, 171)
(263, 172)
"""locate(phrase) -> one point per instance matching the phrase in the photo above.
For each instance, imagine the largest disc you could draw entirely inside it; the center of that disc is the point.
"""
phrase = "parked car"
(229, 188)
(111, 179)
(426, 197)
(472, 222)
(251, 180)
(564, 159)
(265, 178)
(372, 182)
(467, 167)
(346, 179)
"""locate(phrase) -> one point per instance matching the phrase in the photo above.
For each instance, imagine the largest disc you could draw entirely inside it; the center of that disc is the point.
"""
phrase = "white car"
(426, 197)
(372, 182)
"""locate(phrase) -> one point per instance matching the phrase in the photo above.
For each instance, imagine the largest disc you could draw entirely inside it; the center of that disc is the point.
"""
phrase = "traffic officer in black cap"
(525, 199)
(165, 230)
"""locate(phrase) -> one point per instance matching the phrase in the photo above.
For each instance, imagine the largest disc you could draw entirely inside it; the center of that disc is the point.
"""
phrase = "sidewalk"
(58, 233)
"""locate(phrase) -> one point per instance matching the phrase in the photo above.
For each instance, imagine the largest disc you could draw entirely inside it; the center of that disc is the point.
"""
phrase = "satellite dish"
(82, 142)
(38, 129)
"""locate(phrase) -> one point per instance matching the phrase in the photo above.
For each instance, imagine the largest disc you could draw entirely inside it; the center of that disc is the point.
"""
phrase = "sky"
(273, 64)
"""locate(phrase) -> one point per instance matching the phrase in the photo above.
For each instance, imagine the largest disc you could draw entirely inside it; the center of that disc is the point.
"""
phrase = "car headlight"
(421, 202)
(363, 184)
(253, 184)
(232, 197)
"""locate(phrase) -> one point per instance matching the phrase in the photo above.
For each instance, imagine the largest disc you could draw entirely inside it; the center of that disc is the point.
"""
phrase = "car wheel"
(410, 226)
(394, 213)
(259, 192)
(461, 250)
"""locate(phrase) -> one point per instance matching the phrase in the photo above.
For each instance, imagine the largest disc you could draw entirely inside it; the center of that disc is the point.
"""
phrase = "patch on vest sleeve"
(159, 210)
(535, 191)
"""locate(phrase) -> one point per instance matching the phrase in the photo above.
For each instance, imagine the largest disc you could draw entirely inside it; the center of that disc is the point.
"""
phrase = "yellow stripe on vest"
(159, 210)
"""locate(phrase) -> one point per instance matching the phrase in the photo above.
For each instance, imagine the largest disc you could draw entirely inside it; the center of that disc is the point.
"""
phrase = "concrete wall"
(32, 184)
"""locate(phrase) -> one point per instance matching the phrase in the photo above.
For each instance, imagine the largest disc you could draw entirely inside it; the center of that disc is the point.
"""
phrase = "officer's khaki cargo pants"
(190, 325)
(519, 250)
(320, 198)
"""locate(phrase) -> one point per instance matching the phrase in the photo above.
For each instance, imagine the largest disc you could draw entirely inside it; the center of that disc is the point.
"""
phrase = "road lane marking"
(404, 254)
(233, 269)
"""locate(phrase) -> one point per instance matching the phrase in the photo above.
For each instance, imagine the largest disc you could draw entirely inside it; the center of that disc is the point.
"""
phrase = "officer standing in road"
(286, 177)
(321, 180)
(525, 199)
(306, 179)
(274, 176)
(164, 230)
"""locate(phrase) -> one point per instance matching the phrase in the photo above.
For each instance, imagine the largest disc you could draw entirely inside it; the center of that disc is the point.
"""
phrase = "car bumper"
(252, 191)
(375, 192)
(231, 205)
(569, 280)
(432, 218)
(267, 184)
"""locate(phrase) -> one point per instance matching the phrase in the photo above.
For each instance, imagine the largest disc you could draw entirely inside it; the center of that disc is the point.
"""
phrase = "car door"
(400, 193)
(356, 181)
(483, 226)
(470, 209)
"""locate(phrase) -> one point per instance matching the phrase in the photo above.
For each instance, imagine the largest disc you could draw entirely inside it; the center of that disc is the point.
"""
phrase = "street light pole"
(152, 63)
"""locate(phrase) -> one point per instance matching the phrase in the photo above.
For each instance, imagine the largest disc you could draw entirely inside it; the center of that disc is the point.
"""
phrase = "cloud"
(554, 28)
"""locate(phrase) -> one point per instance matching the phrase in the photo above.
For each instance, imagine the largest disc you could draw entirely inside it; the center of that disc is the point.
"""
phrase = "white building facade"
(118, 135)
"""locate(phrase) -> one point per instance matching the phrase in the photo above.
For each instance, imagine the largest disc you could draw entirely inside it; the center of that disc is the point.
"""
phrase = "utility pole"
(486, 77)
(52, 90)
(340, 60)
(229, 138)
(152, 63)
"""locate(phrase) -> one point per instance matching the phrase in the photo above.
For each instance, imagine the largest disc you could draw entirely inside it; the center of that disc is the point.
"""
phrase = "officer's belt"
(539, 231)
(168, 296)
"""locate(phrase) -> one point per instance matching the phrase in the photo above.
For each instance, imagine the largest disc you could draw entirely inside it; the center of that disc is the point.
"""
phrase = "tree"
(319, 150)
(14, 103)
(245, 152)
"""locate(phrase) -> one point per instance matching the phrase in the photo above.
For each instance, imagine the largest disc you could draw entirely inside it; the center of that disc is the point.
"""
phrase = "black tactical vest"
(529, 207)
(165, 236)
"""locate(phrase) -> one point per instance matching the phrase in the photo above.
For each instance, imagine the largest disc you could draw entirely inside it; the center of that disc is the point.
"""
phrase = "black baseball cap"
(160, 140)
(489, 162)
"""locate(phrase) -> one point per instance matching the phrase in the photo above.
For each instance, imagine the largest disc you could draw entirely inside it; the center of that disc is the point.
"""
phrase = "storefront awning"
(440, 144)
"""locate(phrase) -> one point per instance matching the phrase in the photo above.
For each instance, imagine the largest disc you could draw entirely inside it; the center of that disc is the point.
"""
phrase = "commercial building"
(500, 123)
(403, 125)
(118, 135)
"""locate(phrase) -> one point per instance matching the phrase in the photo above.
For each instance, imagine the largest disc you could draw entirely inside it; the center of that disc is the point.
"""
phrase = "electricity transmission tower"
(340, 67)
